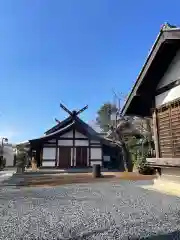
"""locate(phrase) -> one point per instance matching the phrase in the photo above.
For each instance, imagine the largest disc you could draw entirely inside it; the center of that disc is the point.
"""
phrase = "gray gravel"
(87, 211)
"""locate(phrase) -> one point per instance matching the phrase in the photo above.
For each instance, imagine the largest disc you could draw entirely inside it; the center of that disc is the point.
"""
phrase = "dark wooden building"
(70, 143)
(156, 93)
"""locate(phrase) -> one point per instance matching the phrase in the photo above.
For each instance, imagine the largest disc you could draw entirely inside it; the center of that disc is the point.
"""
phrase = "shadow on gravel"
(174, 235)
(168, 236)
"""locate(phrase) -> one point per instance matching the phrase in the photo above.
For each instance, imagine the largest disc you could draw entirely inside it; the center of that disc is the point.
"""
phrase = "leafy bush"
(146, 170)
(4, 162)
(20, 159)
(1, 163)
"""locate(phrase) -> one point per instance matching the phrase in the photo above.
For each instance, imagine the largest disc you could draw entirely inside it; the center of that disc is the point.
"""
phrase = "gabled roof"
(89, 129)
(140, 99)
(54, 134)
(77, 123)
(65, 122)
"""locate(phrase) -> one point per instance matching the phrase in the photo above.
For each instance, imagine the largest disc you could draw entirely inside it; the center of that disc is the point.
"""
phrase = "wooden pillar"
(41, 156)
(155, 131)
(56, 160)
(74, 151)
(89, 153)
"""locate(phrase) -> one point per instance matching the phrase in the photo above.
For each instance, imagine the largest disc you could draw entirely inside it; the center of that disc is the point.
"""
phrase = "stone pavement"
(88, 211)
(5, 175)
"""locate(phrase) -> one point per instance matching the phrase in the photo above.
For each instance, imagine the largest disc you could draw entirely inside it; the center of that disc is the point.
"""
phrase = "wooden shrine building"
(70, 143)
(156, 93)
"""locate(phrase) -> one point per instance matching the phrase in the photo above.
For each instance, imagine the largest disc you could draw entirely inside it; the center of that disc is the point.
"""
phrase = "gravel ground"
(87, 211)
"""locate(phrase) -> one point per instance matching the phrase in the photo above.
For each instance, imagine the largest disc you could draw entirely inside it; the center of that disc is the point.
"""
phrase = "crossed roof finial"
(73, 113)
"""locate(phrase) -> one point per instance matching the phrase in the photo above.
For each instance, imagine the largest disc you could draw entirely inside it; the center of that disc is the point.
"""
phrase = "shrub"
(146, 170)
(4, 162)
(1, 163)
(20, 160)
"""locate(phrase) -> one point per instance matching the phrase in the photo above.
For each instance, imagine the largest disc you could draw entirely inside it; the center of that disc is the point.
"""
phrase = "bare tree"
(117, 136)
(127, 127)
(124, 128)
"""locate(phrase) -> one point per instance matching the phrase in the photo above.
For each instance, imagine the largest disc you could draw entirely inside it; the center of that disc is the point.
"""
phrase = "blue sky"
(71, 51)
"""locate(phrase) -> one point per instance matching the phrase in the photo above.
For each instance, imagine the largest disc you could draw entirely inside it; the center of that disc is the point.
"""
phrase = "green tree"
(21, 158)
(104, 116)
(124, 133)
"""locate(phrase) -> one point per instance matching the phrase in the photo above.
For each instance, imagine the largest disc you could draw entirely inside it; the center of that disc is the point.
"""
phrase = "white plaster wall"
(9, 155)
(71, 157)
(96, 153)
(81, 143)
(173, 72)
(79, 135)
(64, 142)
(49, 153)
(96, 162)
(68, 134)
(168, 96)
(48, 164)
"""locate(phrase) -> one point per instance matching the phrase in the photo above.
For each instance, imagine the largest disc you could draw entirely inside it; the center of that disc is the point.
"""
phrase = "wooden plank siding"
(64, 157)
(169, 130)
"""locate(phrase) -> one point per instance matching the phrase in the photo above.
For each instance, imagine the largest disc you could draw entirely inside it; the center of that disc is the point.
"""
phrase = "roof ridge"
(169, 27)
(53, 133)
(57, 125)
(166, 28)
